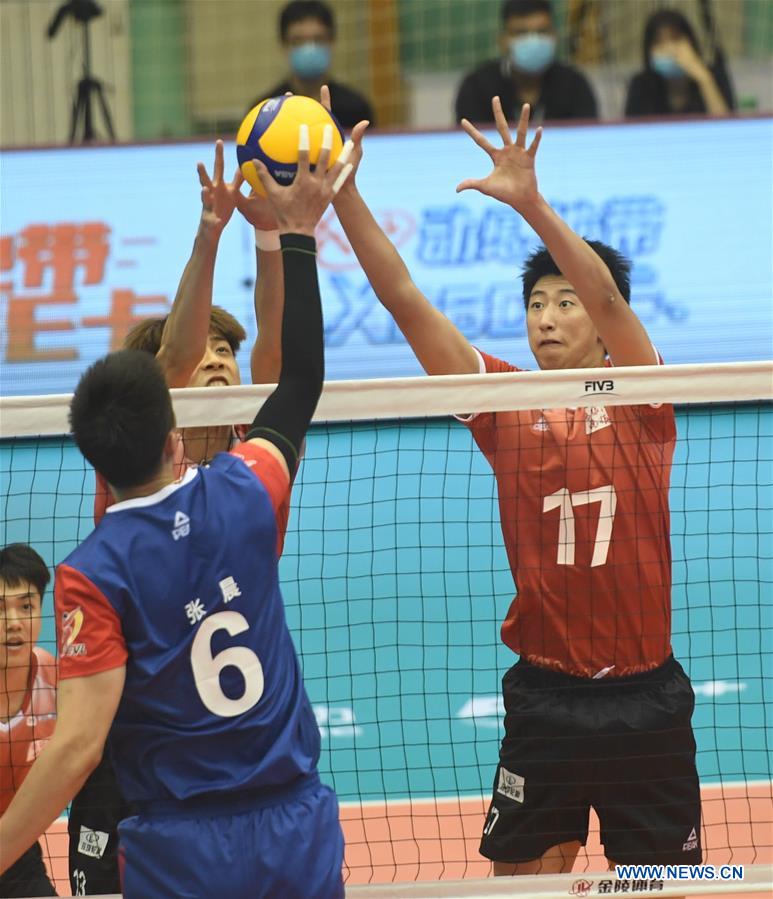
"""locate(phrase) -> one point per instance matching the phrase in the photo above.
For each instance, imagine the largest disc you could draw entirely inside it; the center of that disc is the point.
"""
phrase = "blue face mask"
(532, 53)
(666, 66)
(310, 60)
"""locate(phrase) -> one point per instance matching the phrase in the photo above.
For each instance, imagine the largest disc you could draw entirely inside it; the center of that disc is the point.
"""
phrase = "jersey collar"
(139, 502)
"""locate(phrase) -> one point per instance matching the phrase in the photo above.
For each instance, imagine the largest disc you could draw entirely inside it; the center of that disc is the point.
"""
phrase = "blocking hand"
(299, 206)
(218, 197)
(513, 179)
(352, 150)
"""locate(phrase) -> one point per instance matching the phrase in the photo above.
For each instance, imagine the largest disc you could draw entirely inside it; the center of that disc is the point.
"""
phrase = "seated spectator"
(526, 72)
(676, 80)
(27, 698)
(307, 31)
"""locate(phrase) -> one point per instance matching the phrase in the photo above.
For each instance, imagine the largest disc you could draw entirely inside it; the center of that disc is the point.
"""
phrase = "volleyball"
(269, 133)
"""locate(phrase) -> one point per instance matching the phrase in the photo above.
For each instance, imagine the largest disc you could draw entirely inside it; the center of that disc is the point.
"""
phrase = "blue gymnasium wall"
(691, 203)
(395, 603)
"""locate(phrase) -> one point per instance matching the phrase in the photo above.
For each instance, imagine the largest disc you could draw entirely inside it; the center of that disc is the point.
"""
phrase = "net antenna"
(82, 118)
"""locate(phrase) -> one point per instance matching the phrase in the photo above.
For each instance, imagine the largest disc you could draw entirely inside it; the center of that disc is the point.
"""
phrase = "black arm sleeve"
(285, 416)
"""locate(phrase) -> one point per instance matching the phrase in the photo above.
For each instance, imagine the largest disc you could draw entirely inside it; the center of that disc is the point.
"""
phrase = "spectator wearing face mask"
(676, 80)
(526, 72)
(307, 32)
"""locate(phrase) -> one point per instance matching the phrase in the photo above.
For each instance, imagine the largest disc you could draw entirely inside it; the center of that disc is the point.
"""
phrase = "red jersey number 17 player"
(183, 653)
(597, 710)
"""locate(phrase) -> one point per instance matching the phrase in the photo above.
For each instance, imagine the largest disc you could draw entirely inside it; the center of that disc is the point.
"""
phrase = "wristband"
(267, 240)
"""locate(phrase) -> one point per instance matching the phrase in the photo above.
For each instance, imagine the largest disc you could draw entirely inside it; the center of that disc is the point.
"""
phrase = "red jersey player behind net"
(27, 698)
(597, 709)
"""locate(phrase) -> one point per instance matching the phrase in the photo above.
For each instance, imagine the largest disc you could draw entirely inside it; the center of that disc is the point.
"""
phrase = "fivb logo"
(605, 386)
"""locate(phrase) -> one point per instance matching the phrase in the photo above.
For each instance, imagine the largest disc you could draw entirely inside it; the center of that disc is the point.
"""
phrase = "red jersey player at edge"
(597, 710)
(27, 699)
(184, 654)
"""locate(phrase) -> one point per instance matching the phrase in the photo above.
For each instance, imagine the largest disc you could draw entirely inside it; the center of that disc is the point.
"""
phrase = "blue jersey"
(181, 587)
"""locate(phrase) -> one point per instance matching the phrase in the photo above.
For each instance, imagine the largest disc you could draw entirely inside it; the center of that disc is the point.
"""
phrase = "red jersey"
(583, 503)
(24, 736)
(103, 498)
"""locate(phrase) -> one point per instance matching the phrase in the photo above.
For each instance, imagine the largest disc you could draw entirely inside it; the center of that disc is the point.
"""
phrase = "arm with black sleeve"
(285, 416)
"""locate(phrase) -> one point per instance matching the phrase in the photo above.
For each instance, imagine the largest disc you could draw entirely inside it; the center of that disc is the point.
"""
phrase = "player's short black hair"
(511, 8)
(298, 10)
(19, 562)
(666, 18)
(541, 263)
(120, 416)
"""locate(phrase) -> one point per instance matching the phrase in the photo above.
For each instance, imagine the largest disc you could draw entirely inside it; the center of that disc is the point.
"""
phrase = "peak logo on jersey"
(692, 842)
(511, 785)
(182, 525)
(596, 418)
(72, 622)
(92, 842)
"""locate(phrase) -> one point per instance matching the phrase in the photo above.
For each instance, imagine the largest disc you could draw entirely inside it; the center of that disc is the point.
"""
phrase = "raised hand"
(257, 210)
(513, 179)
(218, 197)
(683, 52)
(298, 207)
(352, 149)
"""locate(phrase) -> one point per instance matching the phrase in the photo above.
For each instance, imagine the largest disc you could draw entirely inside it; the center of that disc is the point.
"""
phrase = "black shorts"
(622, 745)
(93, 831)
(27, 876)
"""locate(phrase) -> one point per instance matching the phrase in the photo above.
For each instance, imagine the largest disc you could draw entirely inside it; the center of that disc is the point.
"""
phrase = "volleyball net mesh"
(396, 581)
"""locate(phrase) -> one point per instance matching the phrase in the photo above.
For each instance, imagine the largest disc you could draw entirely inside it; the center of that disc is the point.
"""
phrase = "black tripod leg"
(75, 115)
(105, 110)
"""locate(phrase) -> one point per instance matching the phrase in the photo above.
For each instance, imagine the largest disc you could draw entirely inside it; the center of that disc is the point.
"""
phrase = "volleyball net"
(396, 581)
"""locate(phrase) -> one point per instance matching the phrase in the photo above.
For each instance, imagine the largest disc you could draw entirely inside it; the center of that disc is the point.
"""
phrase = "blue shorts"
(289, 845)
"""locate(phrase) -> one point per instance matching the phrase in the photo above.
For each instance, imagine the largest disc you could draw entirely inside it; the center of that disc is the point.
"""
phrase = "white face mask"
(532, 52)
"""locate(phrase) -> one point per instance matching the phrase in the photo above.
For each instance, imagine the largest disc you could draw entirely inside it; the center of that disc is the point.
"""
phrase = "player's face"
(561, 333)
(20, 622)
(218, 366)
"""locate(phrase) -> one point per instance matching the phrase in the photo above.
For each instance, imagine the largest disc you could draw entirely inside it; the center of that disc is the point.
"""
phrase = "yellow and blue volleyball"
(270, 131)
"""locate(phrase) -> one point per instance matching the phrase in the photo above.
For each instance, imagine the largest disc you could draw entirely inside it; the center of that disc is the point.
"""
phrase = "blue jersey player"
(172, 629)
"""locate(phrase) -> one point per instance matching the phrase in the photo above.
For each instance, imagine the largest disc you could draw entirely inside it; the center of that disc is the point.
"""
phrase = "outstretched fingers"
(341, 176)
(479, 139)
(469, 184)
(532, 151)
(523, 126)
(323, 161)
(303, 149)
(324, 96)
(359, 131)
(266, 179)
(204, 179)
(501, 122)
(219, 164)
